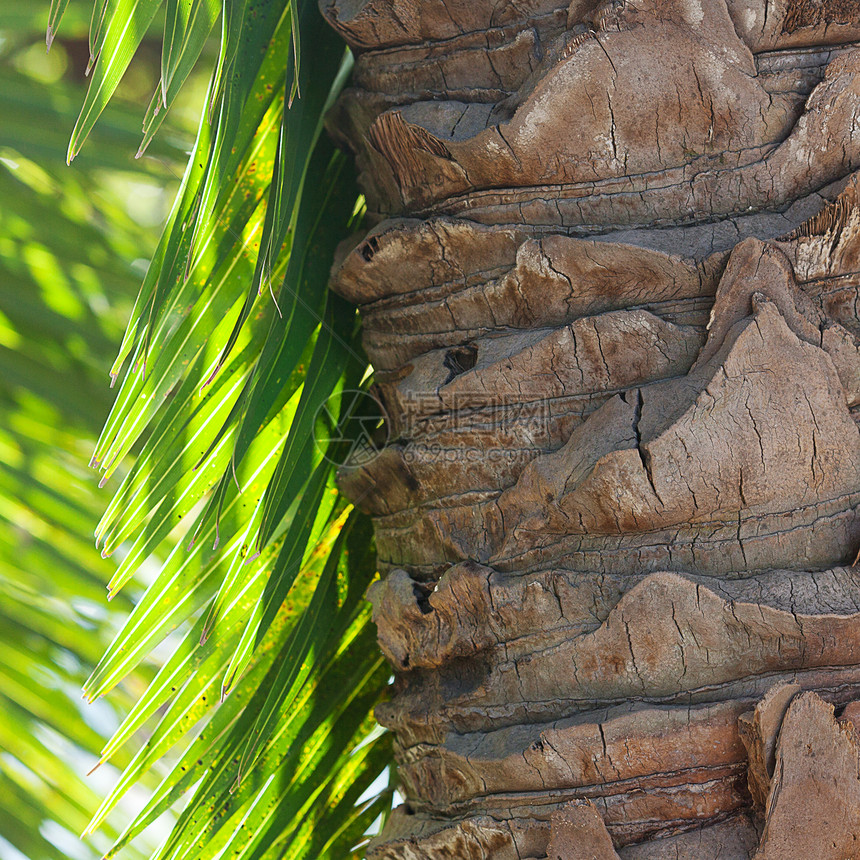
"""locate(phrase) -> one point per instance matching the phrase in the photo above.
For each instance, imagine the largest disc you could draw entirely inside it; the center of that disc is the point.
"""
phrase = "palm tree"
(609, 296)
(611, 299)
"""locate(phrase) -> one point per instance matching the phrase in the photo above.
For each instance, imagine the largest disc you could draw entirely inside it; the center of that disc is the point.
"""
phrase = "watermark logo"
(350, 428)
(474, 427)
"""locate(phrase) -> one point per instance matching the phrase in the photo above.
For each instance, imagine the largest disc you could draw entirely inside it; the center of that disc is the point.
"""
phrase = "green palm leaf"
(187, 26)
(115, 40)
(262, 706)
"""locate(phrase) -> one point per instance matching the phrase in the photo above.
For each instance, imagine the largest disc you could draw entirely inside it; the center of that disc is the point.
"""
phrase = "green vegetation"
(242, 672)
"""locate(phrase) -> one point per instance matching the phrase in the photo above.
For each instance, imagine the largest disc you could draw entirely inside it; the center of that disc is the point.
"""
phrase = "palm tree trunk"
(612, 300)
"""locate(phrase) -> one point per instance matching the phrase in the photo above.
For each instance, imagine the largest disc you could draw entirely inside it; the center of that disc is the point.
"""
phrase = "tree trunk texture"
(612, 299)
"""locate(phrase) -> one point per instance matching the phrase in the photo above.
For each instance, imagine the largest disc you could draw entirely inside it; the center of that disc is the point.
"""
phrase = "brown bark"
(612, 299)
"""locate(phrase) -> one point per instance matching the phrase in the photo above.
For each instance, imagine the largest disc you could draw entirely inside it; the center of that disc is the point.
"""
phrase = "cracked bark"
(612, 297)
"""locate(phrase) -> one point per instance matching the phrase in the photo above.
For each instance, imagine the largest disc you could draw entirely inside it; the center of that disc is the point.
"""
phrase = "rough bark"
(612, 298)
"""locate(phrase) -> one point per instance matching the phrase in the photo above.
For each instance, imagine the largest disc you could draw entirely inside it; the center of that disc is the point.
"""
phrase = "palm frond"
(234, 345)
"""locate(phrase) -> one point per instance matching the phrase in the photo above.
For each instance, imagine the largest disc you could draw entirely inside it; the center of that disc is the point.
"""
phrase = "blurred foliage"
(256, 647)
(69, 240)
